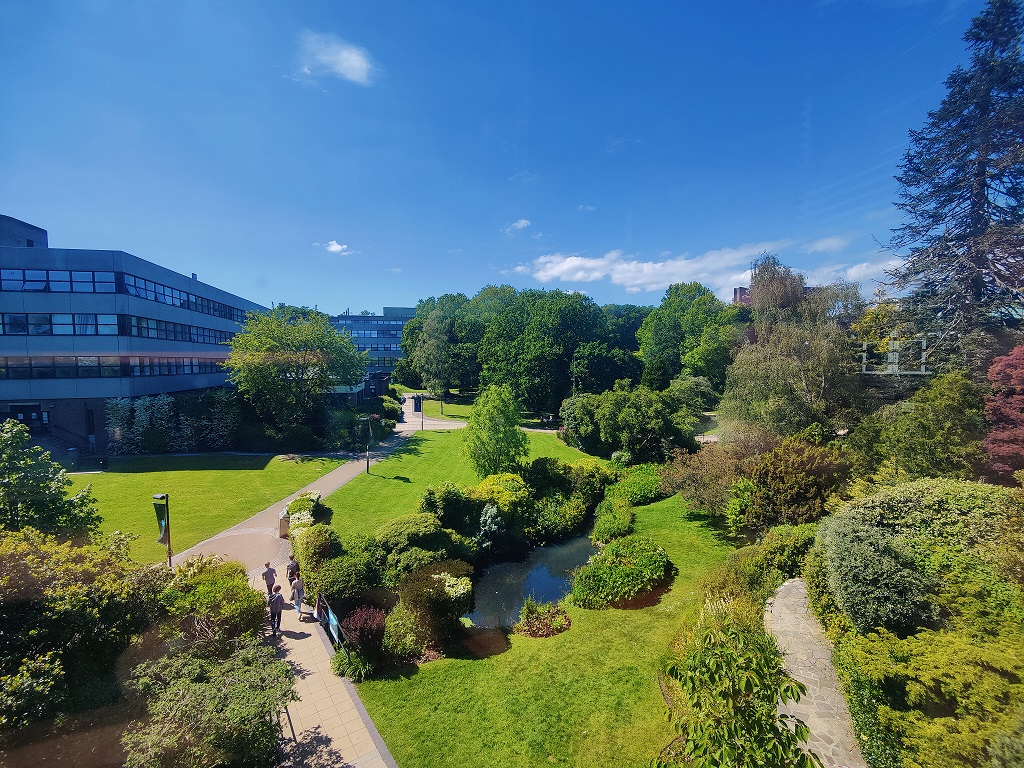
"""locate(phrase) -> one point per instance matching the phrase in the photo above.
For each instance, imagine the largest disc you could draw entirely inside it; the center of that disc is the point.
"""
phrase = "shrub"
(557, 517)
(873, 581)
(453, 508)
(439, 594)
(353, 664)
(640, 485)
(344, 579)
(731, 674)
(510, 494)
(704, 479)
(406, 637)
(541, 619)
(493, 535)
(314, 545)
(548, 476)
(390, 408)
(792, 482)
(590, 478)
(624, 569)
(622, 458)
(212, 602)
(363, 631)
(412, 541)
(613, 519)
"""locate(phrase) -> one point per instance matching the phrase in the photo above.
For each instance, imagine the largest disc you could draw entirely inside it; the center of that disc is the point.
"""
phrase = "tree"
(33, 489)
(285, 361)
(209, 711)
(937, 432)
(800, 370)
(436, 354)
(1004, 408)
(962, 193)
(492, 440)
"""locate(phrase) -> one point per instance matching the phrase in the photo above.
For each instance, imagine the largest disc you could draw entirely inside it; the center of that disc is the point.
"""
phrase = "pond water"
(504, 587)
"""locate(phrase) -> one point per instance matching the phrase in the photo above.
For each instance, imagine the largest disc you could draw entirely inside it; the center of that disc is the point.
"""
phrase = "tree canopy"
(33, 489)
(492, 440)
(962, 194)
(285, 361)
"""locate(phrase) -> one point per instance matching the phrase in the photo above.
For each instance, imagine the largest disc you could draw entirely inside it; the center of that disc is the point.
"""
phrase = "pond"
(504, 587)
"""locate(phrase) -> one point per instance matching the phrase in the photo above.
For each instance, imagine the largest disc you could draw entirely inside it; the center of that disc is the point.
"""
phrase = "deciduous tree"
(33, 489)
(492, 440)
(285, 361)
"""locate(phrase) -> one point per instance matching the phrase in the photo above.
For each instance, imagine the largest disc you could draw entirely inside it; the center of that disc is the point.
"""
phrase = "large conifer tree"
(962, 192)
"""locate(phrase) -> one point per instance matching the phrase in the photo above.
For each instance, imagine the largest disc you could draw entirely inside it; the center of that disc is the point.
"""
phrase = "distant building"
(741, 295)
(80, 326)
(379, 336)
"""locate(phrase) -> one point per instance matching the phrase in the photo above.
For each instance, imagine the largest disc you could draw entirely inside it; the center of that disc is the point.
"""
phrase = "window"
(65, 367)
(85, 325)
(62, 325)
(16, 325)
(42, 368)
(39, 325)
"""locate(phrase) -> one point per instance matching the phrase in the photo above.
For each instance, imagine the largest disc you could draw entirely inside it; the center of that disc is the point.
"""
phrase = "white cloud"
(335, 247)
(826, 245)
(721, 269)
(537, 235)
(395, 270)
(328, 54)
(587, 208)
(864, 272)
(515, 226)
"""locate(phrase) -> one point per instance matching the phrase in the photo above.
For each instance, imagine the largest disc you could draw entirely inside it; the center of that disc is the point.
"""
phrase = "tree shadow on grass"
(401, 478)
(713, 525)
(313, 749)
(194, 463)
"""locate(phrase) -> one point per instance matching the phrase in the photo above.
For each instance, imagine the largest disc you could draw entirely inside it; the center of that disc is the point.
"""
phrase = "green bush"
(352, 664)
(211, 602)
(453, 508)
(343, 580)
(590, 478)
(624, 569)
(411, 541)
(557, 518)
(314, 545)
(406, 637)
(548, 476)
(639, 485)
(613, 519)
(439, 594)
(874, 582)
(792, 483)
(390, 408)
(541, 619)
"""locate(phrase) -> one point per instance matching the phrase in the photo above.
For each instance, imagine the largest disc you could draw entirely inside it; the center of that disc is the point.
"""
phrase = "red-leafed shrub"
(364, 629)
(1005, 411)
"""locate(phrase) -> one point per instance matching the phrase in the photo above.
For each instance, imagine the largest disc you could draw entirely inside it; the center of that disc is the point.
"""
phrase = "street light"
(162, 505)
(368, 435)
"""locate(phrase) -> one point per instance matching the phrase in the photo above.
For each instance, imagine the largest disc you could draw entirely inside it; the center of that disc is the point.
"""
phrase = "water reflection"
(502, 589)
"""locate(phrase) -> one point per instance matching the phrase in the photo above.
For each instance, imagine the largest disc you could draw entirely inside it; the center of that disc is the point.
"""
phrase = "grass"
(587, 697)
(207, 493)
(396, 485)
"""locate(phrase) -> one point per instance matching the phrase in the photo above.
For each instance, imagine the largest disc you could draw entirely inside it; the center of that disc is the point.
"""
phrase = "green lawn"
(207, 493)
(396, 485)
(588, 697)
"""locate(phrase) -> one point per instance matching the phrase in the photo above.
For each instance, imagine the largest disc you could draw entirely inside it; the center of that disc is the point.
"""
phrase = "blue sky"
(351, 155)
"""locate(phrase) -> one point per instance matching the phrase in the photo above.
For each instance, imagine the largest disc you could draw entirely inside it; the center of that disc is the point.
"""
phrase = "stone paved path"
(807, 655)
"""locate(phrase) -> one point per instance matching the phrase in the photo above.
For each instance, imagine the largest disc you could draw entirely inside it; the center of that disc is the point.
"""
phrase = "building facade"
(380, 336)
(80, 326)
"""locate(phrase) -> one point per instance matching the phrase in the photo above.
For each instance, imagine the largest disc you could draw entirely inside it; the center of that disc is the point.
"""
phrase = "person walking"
(298, 593)
(269, 576)
(276, 602)
(292, 569)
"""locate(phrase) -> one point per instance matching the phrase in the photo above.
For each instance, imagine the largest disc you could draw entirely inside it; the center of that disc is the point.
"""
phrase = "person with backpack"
(276, 603)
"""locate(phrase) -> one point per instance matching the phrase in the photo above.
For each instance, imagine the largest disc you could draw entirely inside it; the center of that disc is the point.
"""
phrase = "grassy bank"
(208, 493)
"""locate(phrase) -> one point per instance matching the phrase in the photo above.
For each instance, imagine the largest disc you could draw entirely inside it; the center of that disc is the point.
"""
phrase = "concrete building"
(379, 336)
(80, 326)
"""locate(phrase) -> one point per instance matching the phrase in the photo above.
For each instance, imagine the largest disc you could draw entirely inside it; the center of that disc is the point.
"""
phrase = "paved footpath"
(328, 725)
(807, 655)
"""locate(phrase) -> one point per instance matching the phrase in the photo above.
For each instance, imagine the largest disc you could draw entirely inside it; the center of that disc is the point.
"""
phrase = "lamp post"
(368, 434)
(162, 505)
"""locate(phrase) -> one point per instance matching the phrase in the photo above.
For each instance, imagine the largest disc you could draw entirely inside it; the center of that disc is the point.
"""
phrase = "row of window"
(378, 347)
(86, 324)
(69, 367)
(375, 334)
(344, 321)
(57, 281)
(65, 281)
(162, 329)
(381, 362)
(147, 289)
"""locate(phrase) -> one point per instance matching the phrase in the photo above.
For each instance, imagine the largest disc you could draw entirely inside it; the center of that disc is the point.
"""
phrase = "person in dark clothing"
(269, 576)
(276, 602)
(292, 569)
